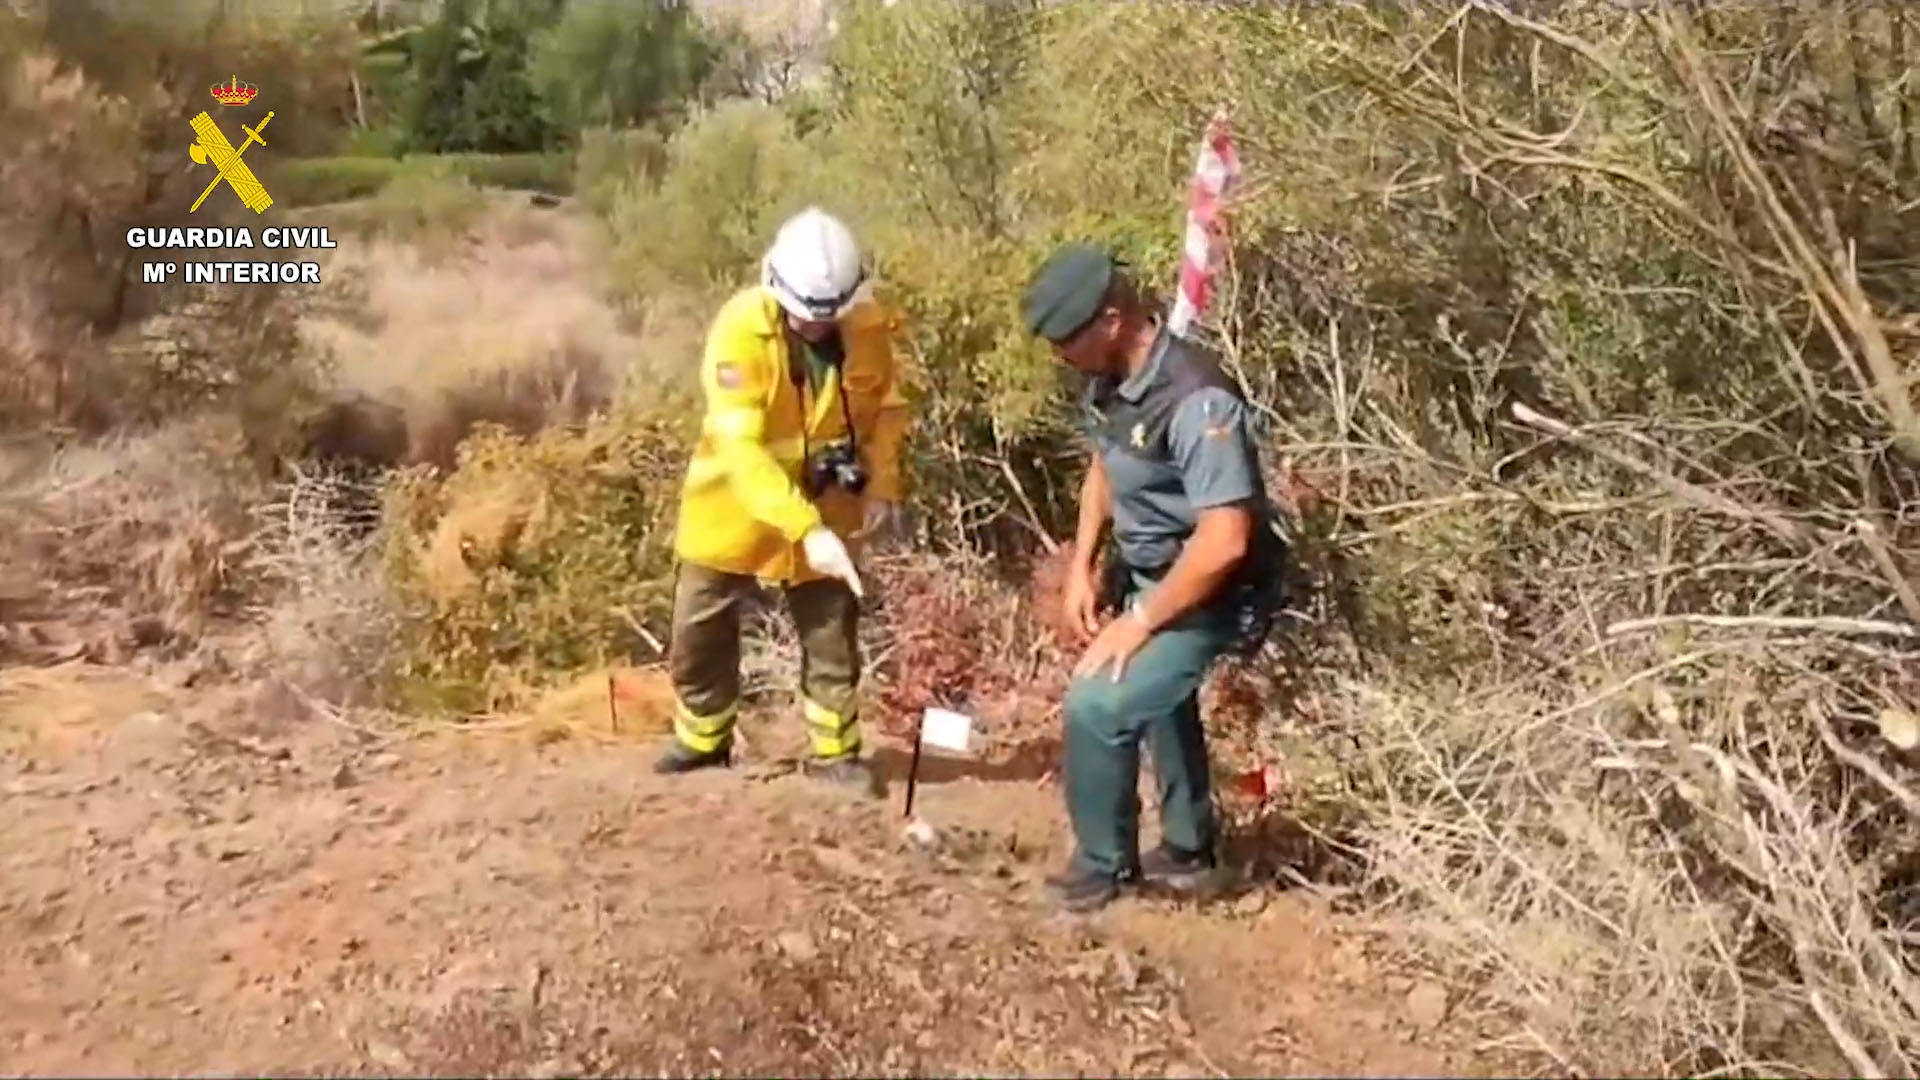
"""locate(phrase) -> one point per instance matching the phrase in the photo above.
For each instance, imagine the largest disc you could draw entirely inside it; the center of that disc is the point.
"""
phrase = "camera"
(835, 465)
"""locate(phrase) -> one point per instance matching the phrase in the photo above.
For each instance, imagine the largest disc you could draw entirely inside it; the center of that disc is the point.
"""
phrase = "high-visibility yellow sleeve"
(737, 384)
(886, 429)
(883, 443)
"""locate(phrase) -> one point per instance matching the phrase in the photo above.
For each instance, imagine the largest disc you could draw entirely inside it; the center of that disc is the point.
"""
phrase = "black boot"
(1180, 871)
(679, 759)
(847, 772)
(1082, 890)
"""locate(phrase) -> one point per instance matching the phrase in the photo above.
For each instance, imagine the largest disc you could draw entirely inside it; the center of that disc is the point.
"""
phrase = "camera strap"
(799, 370)
(846, 409)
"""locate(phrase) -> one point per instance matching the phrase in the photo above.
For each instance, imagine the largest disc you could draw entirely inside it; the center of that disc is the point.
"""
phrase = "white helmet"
(813, 268)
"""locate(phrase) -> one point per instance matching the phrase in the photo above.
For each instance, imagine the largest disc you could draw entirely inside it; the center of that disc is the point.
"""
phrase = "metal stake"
(913, 766)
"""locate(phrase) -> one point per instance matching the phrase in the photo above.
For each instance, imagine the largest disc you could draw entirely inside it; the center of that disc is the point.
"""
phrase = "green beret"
(1066, 291)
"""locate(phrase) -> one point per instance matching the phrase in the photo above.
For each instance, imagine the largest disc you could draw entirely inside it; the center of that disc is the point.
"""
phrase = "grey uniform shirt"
(1211, 462)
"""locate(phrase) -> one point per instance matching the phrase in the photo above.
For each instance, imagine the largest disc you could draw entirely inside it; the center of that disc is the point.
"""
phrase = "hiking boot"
(679, 759)
(1182, 871)
(1081, 890)
(1072, 872)
(847, 772)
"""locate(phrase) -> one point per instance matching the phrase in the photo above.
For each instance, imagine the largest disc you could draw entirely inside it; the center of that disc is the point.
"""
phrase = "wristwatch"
(1138, 613)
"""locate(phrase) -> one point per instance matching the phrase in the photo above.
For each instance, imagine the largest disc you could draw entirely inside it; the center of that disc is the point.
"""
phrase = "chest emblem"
(1138, 435)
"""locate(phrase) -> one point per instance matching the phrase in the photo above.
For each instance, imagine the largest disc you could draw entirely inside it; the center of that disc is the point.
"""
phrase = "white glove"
(827, 555)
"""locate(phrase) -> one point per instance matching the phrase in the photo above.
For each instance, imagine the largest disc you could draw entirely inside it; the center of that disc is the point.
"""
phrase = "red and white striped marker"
(1260, 784)
(1214, 174)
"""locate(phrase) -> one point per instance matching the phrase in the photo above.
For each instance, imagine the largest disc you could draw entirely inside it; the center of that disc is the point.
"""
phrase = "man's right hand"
(828, 555)
(1082, 600)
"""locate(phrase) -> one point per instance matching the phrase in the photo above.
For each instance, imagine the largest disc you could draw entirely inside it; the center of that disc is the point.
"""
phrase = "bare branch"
(1831, 624)
(1789, 531)
(1861, 761)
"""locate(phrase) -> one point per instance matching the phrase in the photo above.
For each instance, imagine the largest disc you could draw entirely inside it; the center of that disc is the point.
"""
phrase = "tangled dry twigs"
(1622, 654)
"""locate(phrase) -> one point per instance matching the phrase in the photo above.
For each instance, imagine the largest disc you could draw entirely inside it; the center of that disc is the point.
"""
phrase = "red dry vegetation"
(958, 640)
(1046, 592)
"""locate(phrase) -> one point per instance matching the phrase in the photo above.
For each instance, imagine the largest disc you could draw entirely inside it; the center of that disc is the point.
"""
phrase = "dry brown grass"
(514, 332)
(1683, 848)
(618, 703)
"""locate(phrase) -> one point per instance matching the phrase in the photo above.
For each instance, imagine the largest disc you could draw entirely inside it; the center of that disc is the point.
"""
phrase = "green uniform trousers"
(704, 659)
(1157, 700)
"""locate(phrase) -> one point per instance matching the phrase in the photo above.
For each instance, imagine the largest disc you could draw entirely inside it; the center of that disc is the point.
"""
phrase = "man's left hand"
(1115, 645)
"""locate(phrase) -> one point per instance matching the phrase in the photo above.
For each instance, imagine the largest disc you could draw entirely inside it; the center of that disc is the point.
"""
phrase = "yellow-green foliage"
(611, 163)
(427, 196)
(318, 181)
(528, 561)
(732, 175)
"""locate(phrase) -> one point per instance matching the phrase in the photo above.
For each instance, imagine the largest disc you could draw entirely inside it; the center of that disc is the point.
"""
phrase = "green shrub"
(733, 174)
(319, 181)
(379, 141)
(426, 196)
(468, 88)
(551, 173)
(608, 62)
(928, 94)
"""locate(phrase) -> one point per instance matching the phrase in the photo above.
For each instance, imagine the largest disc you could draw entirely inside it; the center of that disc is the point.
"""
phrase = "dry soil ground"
(217, 880)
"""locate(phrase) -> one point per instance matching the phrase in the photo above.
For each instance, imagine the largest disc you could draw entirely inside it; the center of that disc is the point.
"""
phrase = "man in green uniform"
(1175, 473)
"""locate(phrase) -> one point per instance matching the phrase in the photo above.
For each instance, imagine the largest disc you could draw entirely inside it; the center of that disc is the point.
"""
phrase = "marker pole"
(913, 765)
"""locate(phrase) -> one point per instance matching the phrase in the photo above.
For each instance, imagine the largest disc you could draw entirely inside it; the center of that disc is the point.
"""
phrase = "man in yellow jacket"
(798, 456)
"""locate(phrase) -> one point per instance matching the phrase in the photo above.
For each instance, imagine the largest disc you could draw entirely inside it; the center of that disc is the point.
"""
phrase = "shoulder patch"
(727, 375)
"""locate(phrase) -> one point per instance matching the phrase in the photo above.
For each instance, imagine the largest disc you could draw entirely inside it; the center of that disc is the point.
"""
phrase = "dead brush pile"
(324, 619)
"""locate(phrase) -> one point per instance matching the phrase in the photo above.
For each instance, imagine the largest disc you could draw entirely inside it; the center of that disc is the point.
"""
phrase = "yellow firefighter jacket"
(742, 509)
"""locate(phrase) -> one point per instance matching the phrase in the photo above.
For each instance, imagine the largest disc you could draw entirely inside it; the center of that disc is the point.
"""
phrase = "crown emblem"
(234, 92)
